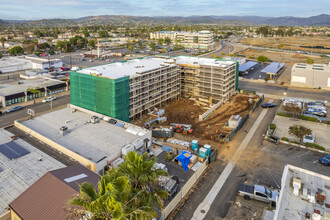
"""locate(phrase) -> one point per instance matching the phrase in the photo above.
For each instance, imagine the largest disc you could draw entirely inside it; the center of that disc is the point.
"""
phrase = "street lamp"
(51, 101)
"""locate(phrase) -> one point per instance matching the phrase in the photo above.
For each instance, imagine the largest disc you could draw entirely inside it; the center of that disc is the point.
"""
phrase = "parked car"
(317, 113)
(309, 139)
(317, 110)
(325, 160)
(15, 108)
(320, 119)
(273, 139)
(48, 99)
(316, 103)
(257, 192)
(268, 105)
(317, 106)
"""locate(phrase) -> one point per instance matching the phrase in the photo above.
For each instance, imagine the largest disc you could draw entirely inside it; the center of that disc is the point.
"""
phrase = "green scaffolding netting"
(103, 95)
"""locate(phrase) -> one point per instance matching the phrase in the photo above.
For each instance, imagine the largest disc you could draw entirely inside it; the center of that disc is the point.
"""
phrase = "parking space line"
(303, 154)
(315, 161)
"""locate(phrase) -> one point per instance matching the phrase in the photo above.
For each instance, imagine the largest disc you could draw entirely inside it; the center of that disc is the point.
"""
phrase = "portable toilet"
(203, 153)
(194, 145)
(208, 147)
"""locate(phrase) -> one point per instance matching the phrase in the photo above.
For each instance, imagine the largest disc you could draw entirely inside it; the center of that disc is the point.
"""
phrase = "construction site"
(187, 111)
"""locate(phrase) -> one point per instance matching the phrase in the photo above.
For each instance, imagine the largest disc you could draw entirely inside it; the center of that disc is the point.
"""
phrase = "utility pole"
(48, 62)
(70, 62)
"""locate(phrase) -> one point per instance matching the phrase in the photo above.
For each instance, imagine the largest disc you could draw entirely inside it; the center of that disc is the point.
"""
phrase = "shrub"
(309, 61)
(308, 118)
(285, 139)
(272, 126)
(284, 114)
(262, 58)
(328, 122)
(251, 57)
(295, 142)
(266, 79)
(315, 146)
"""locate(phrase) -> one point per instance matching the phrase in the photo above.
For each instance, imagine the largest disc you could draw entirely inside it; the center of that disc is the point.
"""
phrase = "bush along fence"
(309, 146)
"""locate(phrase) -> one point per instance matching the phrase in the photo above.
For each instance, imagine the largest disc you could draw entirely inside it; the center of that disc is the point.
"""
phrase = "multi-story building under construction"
(126, 90)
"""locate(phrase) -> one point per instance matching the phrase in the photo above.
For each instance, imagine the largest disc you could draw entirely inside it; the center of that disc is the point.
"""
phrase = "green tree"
(85, 32)
(103, 33)
(293, 109)
(175, 47)
(2, 40)
(323, 55)
(92, 43)
(262, 58)
(167, 40)
(16, 50)
(34, 91)
(299, 131)
(130, 47)
(152, 46)
(309, 60)
(160, 41)
(281, 46)
(44, 45)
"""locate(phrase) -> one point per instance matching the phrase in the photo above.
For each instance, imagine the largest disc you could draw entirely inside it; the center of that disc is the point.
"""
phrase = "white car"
(49, 99)
(309, 139)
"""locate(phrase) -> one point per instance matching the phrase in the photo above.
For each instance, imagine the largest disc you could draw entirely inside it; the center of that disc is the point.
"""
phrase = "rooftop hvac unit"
(63, 130)
(296, 186)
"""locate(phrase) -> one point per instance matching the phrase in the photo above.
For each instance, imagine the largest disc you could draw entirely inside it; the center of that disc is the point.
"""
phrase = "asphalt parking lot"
(255, 73)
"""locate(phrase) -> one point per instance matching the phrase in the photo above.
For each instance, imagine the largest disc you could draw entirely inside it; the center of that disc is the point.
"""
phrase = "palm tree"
(2, 40)
(144, 180)
(105, 203)
(34, 91)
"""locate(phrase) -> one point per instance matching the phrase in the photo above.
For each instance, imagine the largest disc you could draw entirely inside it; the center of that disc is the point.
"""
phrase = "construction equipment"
(182, 128)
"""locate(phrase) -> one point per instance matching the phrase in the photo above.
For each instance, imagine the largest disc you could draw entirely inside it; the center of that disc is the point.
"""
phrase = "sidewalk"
(37, 100)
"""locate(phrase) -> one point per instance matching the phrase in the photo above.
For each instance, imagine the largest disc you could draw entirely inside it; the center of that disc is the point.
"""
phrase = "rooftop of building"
(134, 67)
(11, 61)
(11, 88)
(92, 141)
(305, 202)
(321, 67)
(184, 32)
(47, 198)
(40, 60)
(17, 174)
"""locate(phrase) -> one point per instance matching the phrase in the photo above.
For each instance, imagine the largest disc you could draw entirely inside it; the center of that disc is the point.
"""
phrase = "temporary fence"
(184, 190)
(210, 111)
(235, 130)
(258, 102)
(100, 94)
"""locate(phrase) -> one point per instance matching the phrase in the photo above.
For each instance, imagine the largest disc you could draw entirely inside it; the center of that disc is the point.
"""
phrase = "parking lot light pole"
(51, 101)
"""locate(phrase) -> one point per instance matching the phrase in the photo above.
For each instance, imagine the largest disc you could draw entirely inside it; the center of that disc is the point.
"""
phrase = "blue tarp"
(185, 160)
(246, 66)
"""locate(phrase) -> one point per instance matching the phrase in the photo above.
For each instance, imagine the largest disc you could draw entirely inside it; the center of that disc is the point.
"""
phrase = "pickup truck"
(257, 192)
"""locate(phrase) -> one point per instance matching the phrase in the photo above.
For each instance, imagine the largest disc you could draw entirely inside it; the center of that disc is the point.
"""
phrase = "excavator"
(182, 128)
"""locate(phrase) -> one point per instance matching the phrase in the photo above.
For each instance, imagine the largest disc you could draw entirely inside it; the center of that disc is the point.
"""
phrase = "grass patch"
(272, 126)
(295, 142)
(285, 139)
(284, 114)
(308, 118)
(328, 122)
(315, 146)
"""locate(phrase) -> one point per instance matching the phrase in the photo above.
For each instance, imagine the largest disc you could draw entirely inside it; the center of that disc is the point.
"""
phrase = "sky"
(39, 9)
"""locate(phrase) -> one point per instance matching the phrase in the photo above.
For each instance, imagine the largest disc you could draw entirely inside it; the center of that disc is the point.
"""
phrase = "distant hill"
(318, 20)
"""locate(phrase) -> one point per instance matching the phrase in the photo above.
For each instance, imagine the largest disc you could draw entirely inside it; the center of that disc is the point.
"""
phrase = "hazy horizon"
(68, 9)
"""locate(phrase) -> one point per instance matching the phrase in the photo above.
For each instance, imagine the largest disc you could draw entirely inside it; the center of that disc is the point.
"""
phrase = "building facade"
(311, 75)
(201, 39)
(126, 90)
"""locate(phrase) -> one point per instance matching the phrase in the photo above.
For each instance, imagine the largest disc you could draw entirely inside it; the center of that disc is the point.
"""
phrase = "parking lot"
(255, 73)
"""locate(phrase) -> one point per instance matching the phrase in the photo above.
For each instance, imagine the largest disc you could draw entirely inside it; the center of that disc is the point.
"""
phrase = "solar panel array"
(244, 67)
(12, 150)
(273, 68)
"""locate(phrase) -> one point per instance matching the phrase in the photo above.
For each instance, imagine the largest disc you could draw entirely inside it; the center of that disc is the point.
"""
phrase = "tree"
(85, 32)
(293, 109)
(2, 40)
(323, 55)
(92, 43)
(16, 50)
(103, 33)
(167, 40)
(175, 47)
(152, 46)
(130, 47)
(299, 131)
(262, 58)
(281, 46)
(309, 60)
(34, 91)
(160, 41)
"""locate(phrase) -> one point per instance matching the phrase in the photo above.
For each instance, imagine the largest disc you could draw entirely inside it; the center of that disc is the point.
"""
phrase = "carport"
(273, 69)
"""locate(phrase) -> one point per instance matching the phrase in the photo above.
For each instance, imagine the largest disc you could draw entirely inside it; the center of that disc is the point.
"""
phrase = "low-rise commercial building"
(304, 195)
(48, 197)
(21, 165)
(311, 75)
(16, 92)
(92, 139)
(201, 39)
(126, 90)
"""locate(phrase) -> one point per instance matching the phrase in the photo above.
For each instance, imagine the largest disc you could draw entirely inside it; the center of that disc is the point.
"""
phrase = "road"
(8, 119)
(225, 48)
(285, 91)
(261, 162)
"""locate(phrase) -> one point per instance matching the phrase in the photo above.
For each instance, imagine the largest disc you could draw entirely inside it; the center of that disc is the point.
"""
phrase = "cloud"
(79, 8)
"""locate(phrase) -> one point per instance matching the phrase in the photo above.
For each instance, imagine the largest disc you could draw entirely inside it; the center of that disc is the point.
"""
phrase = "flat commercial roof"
(320, 67)
(202, 61)
(14, 88)
(130, 68)
(246, 66)
(92, 141)
(291, 206)
(12, 61)
(18, 174)
(272, 68)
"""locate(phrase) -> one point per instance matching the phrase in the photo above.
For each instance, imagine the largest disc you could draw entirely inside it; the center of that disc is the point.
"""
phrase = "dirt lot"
(243, 209)
(283, 57)
(288, 43)
(186, 111)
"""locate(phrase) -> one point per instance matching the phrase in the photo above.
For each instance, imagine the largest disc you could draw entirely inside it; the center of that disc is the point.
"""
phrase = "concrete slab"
(321, 131)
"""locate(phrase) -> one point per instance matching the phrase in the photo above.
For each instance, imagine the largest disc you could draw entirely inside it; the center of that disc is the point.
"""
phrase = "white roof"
(318, 67)
(18, 174)
(292, 206)
(134, 67)
(92, 141)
